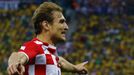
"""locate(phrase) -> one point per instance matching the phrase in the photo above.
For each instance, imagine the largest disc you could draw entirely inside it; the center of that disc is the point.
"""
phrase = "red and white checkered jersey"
(42, 58)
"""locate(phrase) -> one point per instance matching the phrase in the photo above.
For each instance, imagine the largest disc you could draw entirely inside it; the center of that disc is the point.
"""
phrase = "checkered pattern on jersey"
(42, 58)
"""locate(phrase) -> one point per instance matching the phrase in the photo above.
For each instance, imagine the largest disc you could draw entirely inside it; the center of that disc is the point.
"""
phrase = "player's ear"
(45, 25)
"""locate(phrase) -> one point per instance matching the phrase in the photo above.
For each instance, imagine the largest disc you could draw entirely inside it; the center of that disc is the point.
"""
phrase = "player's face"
(58, 27)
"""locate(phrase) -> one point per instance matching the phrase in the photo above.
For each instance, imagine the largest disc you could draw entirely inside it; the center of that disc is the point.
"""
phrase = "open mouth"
(63, 32)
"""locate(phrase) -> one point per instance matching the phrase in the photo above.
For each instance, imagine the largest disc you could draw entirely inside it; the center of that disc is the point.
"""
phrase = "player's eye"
(62, 21)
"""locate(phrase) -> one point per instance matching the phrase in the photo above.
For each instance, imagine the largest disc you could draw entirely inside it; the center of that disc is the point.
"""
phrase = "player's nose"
(66, 27)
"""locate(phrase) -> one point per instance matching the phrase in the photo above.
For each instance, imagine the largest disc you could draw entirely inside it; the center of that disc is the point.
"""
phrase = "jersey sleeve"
(30, 50)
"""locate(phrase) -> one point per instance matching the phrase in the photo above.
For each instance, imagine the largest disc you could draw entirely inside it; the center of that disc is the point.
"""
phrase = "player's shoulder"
(33, 43)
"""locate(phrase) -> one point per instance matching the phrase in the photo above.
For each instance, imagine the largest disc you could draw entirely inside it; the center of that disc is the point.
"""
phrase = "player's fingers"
(83, 71)
(11, 69)
(22, 69)
(84, 63)
(14, 70)
(14, 67)
(8, 71)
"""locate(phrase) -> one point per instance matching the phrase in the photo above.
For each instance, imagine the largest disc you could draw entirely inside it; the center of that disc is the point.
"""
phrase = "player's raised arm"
(16, 63)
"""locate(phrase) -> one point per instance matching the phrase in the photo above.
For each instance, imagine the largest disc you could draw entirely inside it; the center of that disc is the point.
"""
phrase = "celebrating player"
(39, 56)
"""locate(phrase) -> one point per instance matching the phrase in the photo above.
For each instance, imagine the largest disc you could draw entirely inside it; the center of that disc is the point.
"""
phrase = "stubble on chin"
(59, 40)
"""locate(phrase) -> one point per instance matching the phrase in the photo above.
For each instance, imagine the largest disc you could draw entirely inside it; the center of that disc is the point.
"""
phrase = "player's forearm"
(66, 66)
(17, 57)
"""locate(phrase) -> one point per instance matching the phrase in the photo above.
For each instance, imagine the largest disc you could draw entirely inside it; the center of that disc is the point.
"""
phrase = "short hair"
(44, 12)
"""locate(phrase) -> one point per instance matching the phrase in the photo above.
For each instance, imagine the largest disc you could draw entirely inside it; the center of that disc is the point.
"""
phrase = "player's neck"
(45, 38)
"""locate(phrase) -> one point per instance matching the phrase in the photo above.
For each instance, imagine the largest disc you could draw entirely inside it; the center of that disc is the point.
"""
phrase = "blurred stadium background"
(101, 32)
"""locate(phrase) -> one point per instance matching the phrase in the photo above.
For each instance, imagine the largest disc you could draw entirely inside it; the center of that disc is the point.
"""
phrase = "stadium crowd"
(101, 32)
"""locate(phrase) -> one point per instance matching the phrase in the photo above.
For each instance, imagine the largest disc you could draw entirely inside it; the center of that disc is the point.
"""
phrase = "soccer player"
(39, 56)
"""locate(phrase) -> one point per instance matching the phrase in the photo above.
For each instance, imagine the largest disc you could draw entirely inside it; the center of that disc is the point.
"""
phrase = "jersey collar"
(51, 48)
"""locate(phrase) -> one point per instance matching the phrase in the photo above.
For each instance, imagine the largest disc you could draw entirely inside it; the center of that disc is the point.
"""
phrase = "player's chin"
(62, 39)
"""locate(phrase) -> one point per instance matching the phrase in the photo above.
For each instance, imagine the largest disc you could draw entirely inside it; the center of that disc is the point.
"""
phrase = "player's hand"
(80, 68)
(16, 69)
